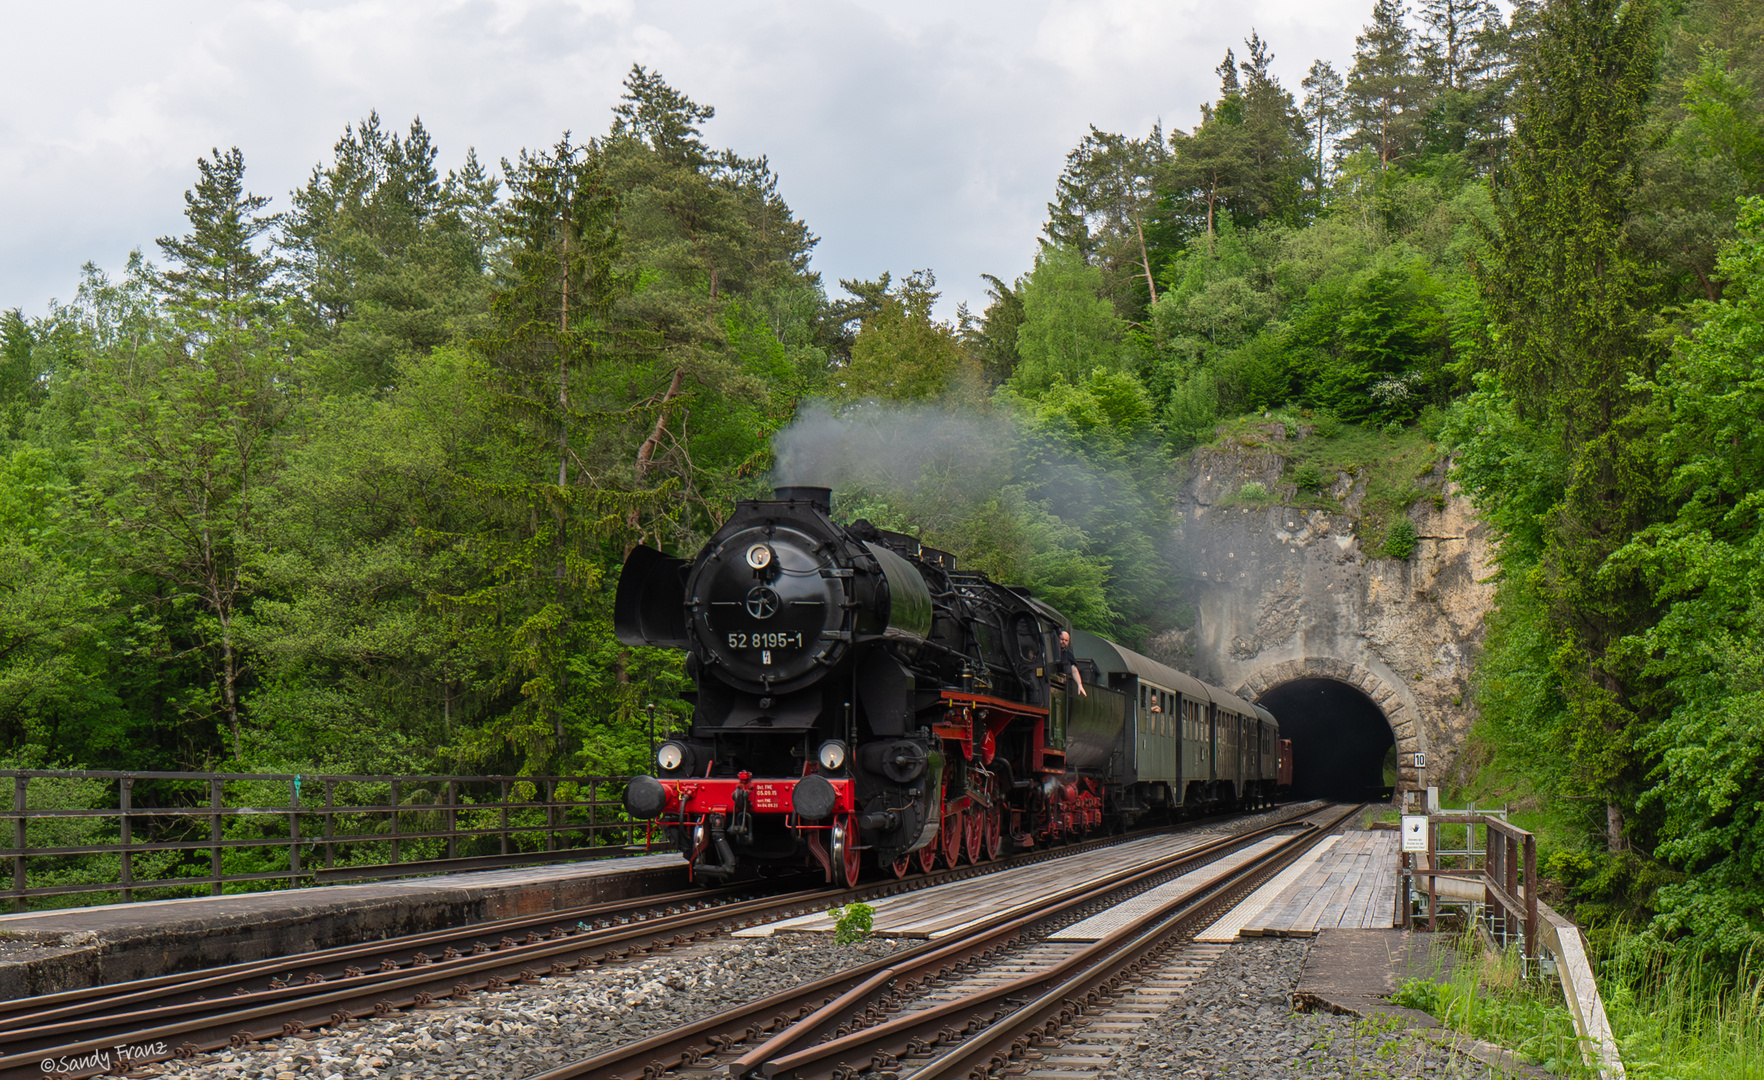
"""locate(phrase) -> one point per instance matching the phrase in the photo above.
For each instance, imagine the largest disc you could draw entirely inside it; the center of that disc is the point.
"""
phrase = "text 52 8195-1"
(765, 641)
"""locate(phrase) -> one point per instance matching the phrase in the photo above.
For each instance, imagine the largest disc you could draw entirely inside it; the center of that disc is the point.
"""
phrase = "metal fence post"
(127, 836)
(452, 819)
(504, 817)
(550, 815)
(397, 801)
(20, 880)
(330, 819)
(294, 832)
(216, 803)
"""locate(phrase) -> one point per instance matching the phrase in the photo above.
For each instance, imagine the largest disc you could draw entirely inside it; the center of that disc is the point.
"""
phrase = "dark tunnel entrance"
(1341, 742)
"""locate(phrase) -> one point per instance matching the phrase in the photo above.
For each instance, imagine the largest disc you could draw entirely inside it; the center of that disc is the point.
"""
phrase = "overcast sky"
(907, 133)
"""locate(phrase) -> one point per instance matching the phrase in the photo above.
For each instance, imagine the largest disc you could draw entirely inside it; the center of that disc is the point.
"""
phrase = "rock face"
(1285, 594)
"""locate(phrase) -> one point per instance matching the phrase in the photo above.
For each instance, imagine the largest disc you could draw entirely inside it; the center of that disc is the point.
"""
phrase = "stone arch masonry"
(1410, 738)
(1282, 593)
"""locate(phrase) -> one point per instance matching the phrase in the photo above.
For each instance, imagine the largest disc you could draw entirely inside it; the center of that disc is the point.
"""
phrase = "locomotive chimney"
(820, 496)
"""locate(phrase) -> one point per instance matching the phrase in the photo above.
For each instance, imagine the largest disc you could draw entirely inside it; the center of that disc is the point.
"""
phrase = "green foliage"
(1704, 565)
(852, 923)
(901, 353)
(1399, 541)
(1067, 328)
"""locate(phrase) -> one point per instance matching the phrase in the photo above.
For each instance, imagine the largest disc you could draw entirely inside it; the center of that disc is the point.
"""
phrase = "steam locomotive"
(858, 696)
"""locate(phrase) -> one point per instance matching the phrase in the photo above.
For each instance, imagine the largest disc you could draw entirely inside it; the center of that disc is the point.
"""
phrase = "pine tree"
(1324, 94)
(1464, 56)
(1383, 90)
(1575, 306)
(1105, 201)
(388, 257)
(558, 341)
(217, 271)
(189, 431)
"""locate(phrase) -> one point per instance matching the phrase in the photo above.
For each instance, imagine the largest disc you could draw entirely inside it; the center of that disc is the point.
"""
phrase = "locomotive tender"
(856, 693)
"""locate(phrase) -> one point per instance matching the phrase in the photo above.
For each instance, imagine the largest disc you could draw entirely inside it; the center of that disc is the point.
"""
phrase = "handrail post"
(20, 880)
(1491, 868)
(1402, 892)
(1432, 881)
(1530, 896)
(504, 784)
(216, 803)
(126, 833)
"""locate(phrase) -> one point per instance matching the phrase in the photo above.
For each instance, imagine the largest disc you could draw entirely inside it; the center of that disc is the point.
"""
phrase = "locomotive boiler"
(860, 698)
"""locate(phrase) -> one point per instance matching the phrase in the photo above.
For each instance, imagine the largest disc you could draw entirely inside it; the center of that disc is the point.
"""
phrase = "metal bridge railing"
(107, 836)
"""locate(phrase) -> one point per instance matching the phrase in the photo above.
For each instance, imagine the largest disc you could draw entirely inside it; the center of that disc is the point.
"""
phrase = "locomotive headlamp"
(670, 756)
(759, 556)
(832, 754)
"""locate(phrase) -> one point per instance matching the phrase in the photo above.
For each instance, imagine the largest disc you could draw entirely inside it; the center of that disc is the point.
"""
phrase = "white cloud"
(908, 134)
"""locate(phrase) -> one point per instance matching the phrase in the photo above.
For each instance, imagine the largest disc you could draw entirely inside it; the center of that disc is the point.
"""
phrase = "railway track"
(186, 1014)
(1007, 988)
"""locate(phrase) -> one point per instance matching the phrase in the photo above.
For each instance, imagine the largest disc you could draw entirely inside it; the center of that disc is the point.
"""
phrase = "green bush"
(1254, 491)
(1399, 542)
(1309, 477)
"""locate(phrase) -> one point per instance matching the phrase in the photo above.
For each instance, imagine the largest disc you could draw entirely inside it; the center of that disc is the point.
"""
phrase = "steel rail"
(86, 1000)
(774, 1024)
(332, 964)
(1082, 981)
(913, 1032)
(289, 1010)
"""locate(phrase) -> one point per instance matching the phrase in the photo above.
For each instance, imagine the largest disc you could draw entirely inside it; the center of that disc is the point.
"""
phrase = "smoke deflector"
(650, 606)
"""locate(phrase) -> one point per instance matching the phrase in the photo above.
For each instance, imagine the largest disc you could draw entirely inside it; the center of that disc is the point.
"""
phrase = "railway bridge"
(1356, 654)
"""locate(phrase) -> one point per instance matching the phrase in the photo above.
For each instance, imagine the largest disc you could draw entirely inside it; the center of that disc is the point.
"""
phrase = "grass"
(1677, 1014)
(1486, 998)
(1681, 1014)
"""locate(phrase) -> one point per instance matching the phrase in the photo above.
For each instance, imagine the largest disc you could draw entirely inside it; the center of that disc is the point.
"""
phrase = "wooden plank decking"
(1352, 885)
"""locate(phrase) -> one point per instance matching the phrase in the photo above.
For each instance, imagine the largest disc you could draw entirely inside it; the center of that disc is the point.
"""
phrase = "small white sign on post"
(1414, 832)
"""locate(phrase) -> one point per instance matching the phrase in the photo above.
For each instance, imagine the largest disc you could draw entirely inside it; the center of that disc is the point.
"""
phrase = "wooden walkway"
(947, 909)
(1352, 885)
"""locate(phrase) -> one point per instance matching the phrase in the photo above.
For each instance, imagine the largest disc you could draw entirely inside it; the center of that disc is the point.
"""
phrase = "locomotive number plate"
(765, 641)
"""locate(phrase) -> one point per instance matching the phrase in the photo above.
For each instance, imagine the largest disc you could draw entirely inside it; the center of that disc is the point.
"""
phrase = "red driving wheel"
(928, 854)
(902, 866)
(847, 859)
(951, 836)
(974, 832)
(995, 830)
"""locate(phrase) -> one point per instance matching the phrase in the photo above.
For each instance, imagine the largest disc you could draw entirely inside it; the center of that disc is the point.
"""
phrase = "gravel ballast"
(526, 1030)
(1237, 1022)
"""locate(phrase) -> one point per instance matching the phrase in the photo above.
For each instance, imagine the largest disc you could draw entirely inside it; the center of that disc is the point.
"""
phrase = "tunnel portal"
(1341, 741)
